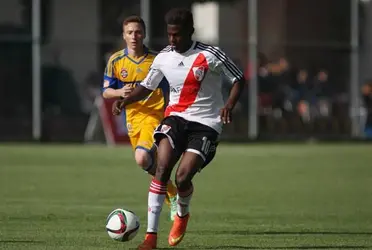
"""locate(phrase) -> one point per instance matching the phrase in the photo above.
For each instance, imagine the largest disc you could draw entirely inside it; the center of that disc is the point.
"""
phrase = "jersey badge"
(199, 73)
(124, 73)
(129, 127)
(165, 128)
(106, 83)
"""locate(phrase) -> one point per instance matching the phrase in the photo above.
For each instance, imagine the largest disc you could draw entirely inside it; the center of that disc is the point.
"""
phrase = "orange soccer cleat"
(178, 230)
(149, 243)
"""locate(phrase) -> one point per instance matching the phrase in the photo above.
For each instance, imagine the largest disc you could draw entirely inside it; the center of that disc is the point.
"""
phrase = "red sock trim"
(158, 187)
(158, 182)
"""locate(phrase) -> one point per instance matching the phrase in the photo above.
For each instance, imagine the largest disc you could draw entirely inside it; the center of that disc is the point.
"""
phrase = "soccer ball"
(122, 225)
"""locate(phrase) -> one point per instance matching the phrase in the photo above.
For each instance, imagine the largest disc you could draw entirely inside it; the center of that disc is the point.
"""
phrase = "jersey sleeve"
(109, 79)
(154, 77)
(225, 66)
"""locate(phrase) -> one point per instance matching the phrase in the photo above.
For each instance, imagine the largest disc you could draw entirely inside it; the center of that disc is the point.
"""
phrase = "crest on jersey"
(106, 83)
(129, 127)
(199, 73)
(124, 73)
(165, 128)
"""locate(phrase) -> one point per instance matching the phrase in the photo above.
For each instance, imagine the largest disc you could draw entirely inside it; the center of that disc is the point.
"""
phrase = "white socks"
(183, 202)
(156, 199)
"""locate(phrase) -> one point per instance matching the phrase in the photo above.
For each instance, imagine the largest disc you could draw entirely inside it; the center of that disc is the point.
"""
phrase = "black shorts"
(188, 136)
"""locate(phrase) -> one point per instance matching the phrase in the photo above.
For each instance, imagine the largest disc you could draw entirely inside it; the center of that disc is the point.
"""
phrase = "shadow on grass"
(289, 247)
(21, 241)
(247, 232)
(286, 247)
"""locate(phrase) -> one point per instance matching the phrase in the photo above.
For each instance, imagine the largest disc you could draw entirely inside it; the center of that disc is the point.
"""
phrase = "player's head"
(134, 31)
(180, 27)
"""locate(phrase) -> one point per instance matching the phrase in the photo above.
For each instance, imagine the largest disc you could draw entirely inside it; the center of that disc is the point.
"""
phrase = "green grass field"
(250, 197)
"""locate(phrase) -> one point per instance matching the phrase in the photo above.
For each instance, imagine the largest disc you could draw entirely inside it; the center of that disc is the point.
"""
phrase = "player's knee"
(143, 159)
(163, 166)
(162, 170)
(183, 179)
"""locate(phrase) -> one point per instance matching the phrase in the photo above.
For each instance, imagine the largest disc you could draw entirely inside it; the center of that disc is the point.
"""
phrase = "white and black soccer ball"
(122, 225)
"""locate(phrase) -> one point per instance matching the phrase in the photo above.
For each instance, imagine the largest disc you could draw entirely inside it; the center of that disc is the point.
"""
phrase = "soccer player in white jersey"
(193, 119)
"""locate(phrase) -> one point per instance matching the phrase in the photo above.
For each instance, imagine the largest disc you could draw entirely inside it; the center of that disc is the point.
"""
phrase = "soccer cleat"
(149, 243)
(178, 230)
(167, 200)
(173, 207)
(171, 200)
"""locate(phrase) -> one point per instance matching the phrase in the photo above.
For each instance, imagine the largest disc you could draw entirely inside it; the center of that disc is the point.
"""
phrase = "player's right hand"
(117, 106)
(226, 115)
(125, 91)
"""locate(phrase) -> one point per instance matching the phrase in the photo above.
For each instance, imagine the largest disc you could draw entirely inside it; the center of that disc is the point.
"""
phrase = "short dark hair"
(135, 19)
(180, 16)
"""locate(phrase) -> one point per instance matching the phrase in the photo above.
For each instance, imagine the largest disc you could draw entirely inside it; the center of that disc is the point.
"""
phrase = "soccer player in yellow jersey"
(125, 69)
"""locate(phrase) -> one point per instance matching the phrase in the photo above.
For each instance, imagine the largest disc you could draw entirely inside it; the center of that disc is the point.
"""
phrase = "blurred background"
(307, 64)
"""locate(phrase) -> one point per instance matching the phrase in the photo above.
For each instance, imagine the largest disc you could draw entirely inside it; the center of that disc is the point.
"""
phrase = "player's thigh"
(133, 141)
(141, 155)
(172, 129)
(203, 142)
(189, 165)
(146, 138)
(144, 149)
(170, 141)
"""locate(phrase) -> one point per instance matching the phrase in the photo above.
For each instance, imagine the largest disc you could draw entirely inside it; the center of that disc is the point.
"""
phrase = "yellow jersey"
(124, 70)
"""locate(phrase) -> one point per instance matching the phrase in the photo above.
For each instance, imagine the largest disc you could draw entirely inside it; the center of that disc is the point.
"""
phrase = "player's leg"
(167, 156)
(200, 151)
(143, 152)
(146, 157)
(188, 167)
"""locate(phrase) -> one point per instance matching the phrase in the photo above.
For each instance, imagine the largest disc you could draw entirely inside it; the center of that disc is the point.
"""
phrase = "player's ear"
(123, 35)
(192, 31)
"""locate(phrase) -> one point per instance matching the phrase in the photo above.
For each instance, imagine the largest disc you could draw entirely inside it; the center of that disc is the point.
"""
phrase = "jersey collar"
(145, 53)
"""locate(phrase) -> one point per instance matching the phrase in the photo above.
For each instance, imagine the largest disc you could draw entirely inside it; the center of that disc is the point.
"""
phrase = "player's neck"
(136, 53)
(186, 47)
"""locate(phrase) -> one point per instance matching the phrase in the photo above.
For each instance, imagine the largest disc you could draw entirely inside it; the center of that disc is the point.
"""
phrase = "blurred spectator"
(314, 96)
(301, 92)
(283, 80)
(91, 88)
(60, 94)
(320, 94)
(367, 97)
(265, 84)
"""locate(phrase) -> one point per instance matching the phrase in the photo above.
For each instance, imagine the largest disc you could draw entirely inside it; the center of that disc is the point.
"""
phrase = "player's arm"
(109, 93)
(234, 75)
(148, 85)
(235, 92)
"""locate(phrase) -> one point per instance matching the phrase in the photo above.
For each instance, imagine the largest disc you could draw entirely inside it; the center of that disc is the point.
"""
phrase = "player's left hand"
(226, 115)
(125, 91)
(117, 106)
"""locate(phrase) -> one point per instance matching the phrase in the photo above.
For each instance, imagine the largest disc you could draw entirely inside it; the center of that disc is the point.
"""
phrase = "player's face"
(178, 38)
(133, 35)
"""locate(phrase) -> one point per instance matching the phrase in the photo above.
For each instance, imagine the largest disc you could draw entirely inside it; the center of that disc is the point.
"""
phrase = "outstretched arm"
(139, 93)
(136, 95)
(149, 84)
